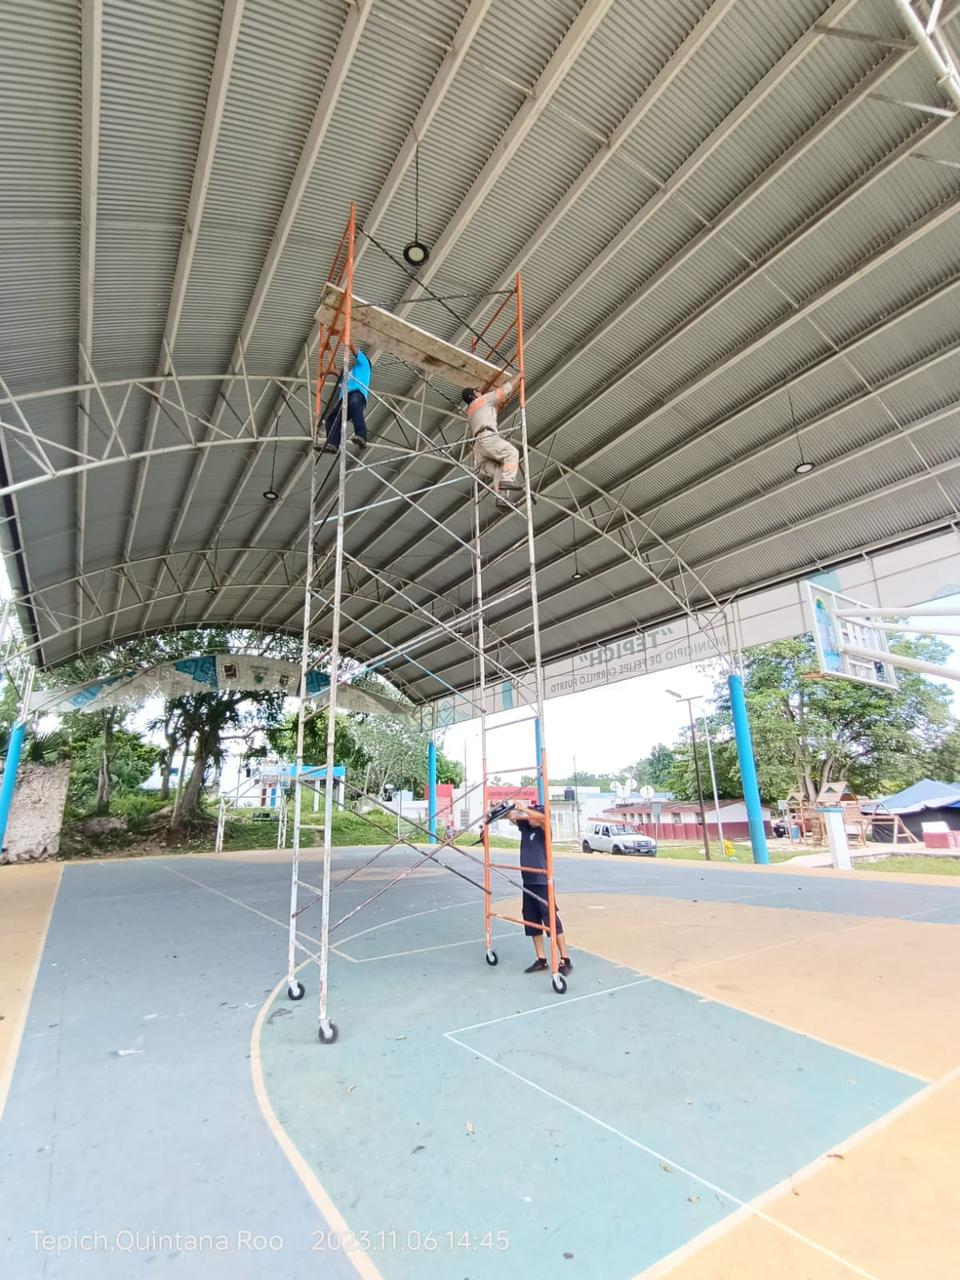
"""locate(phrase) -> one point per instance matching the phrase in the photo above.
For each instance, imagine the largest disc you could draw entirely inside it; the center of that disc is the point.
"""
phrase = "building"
(670, 819)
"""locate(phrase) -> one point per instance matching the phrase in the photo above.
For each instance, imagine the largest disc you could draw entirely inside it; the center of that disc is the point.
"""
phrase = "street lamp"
(696, 766)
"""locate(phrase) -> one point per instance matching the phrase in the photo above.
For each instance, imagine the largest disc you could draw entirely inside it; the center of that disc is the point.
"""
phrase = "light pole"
(713, 782)
(696, 767)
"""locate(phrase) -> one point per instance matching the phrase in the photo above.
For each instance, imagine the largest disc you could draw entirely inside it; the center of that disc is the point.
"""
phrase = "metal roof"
(738, 238)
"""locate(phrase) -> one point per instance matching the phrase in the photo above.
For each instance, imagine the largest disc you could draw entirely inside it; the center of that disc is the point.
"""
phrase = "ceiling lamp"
(803, 467)
(416, 252)
(576, 575)
(270, 495)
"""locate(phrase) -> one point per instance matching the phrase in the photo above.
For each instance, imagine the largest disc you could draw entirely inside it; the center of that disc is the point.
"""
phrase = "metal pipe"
(713, 781)
(432, 789)
(936, 54)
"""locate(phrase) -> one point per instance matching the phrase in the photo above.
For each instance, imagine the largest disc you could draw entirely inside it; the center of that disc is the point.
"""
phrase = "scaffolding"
(496, 355)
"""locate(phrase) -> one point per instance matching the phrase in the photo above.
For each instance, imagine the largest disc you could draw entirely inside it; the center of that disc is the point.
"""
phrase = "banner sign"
(911, 574)
(208, 673)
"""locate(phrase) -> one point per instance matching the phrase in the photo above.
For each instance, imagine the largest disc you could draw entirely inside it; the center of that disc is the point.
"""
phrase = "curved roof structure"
(736, 226)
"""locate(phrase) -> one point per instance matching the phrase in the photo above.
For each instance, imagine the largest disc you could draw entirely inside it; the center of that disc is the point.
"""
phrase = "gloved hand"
(499, 811)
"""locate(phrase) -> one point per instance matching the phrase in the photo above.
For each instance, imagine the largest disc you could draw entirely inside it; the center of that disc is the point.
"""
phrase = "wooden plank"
(373, 327)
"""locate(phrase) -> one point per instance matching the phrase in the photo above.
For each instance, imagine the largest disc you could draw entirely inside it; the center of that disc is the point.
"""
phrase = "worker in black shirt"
(533, 861)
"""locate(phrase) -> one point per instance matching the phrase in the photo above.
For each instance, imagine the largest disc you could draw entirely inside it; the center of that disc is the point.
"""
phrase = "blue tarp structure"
(925, 794)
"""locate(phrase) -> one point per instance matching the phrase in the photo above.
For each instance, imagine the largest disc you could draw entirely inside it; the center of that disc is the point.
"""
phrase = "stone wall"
(36, 818)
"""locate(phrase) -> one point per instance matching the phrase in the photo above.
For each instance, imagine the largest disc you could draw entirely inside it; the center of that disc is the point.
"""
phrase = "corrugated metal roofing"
(765, 248)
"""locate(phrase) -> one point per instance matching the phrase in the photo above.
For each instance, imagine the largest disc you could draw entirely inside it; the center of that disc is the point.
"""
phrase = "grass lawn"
(694, 853)
(929, 866)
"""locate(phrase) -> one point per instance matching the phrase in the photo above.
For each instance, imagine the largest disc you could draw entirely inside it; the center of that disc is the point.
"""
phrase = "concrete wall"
(36, 818)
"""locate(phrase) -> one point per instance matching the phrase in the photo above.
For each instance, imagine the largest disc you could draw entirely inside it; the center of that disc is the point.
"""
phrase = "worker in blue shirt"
(358, 389)
(535, 912)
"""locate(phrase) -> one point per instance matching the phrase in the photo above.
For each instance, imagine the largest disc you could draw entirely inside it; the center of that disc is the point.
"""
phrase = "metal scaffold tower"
(344, 323)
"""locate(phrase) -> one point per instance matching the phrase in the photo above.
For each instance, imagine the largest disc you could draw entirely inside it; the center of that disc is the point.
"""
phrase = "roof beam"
(452, 61)
(766, 85)
(885, 325)
(231, 19)
(91, 26)
(581, 30)
(791, 317)
(353, 27)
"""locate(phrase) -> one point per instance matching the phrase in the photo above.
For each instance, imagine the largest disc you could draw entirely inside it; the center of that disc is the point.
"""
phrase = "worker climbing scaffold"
(347, 326)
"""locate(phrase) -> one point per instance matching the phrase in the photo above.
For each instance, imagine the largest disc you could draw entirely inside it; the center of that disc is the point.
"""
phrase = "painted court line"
(362, 1261)
(694, 1246)
(672, 979)
(748, 1206)
(285, 926)
(418, 951)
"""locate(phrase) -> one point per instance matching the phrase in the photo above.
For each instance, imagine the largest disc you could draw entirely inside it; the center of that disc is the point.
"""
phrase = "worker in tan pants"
(495, 458)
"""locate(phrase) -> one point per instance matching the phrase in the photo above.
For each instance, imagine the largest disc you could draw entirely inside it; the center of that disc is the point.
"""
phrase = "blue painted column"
(748, 770)
(9, 783)
(538, 746)
(432, 790)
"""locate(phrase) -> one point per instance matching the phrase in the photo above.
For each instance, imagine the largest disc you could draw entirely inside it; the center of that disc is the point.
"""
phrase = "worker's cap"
(469, 394)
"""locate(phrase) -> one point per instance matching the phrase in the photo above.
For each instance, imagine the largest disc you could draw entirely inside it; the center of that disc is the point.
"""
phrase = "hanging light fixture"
(416, 252)
(803, 467)
(270, 494)
(576, 575)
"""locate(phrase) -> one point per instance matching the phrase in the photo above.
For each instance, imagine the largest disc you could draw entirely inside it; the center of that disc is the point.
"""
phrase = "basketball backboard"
(851, 647)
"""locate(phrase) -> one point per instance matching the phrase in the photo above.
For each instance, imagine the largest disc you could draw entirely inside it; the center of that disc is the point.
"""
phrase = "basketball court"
(752, 1073)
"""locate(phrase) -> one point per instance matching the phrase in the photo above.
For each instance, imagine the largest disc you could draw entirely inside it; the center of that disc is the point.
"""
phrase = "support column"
(538, 740)
(748, 770)
(10, 768)
(432, 790)
(837, 837)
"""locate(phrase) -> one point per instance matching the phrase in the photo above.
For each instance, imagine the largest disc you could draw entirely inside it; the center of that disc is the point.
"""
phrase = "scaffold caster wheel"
(491, 957)
(559, 983)
(327, 1032)
(296, 991)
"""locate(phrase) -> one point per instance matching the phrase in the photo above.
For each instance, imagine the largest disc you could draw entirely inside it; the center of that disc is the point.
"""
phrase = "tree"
(346, 748)
(944, 761)
(397, 755)
(808, 732)
(656, 769)
(204, 719)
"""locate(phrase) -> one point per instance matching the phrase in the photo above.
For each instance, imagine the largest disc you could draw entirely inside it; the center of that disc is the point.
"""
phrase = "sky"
(601, 729)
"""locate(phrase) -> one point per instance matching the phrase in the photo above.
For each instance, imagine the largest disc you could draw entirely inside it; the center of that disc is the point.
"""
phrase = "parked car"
(617, 837)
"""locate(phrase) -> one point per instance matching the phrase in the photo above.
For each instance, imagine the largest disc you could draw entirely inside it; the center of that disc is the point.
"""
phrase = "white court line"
(671, 979)
(750, 1207)
(400, 919)
(284, 925)
(417, 951)
(672, 1260)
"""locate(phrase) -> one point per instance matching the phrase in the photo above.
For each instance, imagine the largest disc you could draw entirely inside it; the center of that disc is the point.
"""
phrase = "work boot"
(330, 448)
(512, 485)
(359, 441)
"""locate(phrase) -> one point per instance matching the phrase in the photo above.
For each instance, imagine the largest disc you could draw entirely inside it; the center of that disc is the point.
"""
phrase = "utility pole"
(696, 768)
(576, 798)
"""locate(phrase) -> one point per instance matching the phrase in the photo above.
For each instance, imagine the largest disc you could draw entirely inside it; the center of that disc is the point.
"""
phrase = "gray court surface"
(132, 1140)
